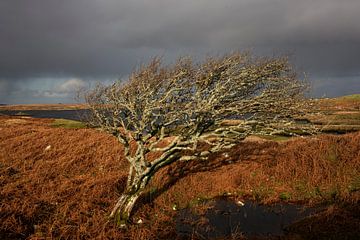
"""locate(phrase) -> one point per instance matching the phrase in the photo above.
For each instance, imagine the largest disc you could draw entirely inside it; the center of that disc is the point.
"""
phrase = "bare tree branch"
(172, 109)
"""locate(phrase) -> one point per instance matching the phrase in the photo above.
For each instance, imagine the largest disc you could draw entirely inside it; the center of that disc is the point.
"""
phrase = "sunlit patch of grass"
(351, 97)
(338, 115)
(276, 138)
(344, 103)
(350, 116)
(285, 196)
(69, 124)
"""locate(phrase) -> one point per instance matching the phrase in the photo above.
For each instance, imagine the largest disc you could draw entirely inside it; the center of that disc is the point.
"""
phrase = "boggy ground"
(60, 183)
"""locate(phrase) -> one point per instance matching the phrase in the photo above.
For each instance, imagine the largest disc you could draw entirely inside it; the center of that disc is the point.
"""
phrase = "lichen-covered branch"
(173, 109)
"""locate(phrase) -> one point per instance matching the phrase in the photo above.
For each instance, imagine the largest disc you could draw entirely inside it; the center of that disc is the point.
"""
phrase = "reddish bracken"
(67, 190)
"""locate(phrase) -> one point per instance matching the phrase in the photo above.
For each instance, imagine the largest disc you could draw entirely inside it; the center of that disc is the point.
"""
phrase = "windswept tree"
(169, 111)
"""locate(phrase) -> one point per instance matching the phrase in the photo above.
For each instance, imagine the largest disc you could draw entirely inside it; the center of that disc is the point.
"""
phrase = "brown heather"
(66, 191)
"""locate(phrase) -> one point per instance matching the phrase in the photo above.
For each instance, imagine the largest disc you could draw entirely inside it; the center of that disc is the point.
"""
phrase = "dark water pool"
(78, 115)
(226, 217)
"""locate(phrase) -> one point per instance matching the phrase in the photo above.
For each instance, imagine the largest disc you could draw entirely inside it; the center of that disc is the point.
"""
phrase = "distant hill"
(22, 107)
(348, 102)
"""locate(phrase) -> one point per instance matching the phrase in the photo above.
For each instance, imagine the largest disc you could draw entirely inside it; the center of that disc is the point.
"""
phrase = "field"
(59, 180)
(338, 115)
(58, 106)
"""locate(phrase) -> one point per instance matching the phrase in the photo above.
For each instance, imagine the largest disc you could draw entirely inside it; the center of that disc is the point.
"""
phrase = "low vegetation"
(58, 106)
(337, 115)
(349, 102)
(63, 185)
(65, 123)
(59, 179)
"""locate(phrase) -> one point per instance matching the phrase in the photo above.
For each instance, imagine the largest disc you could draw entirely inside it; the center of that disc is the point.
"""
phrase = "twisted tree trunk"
(136, 184)
(126, 202)
(123, 208)
(172, 110)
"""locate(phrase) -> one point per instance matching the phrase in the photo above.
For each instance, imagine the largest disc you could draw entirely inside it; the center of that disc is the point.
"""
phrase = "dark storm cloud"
(97, 39)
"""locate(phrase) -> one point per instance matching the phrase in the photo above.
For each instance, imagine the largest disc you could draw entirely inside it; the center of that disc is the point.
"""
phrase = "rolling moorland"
(60, 179)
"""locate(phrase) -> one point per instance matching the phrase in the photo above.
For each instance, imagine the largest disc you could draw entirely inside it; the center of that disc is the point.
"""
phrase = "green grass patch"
(65, 123)
(352, 97)
(285, 196)
(276, 138)
(197, 201)
(350, 116)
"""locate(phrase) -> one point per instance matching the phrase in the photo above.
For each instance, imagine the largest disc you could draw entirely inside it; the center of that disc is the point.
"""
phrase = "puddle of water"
(226, 218)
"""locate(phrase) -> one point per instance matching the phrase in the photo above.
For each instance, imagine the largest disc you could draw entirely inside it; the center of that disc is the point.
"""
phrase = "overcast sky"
(49, 48)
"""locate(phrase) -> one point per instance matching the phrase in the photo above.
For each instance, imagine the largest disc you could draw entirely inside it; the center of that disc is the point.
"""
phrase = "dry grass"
(44, 107)
(67, 190)
(319, 169)
(337, 115)
(345, 103)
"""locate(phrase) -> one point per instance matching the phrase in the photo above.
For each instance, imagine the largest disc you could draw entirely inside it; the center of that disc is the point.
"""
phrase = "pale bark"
(123, 207)
(172, 110)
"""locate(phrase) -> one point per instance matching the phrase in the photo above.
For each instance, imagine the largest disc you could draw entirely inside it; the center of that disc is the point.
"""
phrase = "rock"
(239, 203)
